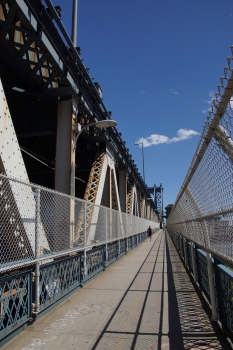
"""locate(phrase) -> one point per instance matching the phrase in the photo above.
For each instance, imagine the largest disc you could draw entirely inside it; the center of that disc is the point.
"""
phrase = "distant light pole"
(138, 144)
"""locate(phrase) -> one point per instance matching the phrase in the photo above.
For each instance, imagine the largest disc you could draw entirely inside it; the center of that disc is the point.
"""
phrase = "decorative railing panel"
(203, 272)
(189, 253)
(112, 252)
(225, 290)
(122, 247)
(95, 262)
(15, 301)
(129, 243)
(181, 247)
(59, 278)
(134, 241)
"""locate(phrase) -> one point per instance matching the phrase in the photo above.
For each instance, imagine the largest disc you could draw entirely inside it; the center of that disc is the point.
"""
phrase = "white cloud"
(211, 94)
(173, 92)
(182, 134)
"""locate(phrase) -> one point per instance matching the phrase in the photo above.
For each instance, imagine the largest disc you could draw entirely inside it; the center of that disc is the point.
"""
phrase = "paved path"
(143, 301)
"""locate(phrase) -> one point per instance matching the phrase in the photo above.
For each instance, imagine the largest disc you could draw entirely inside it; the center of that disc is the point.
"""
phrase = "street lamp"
(100, 124)
(138, 144)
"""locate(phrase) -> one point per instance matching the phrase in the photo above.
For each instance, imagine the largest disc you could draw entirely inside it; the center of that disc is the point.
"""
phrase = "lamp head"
(105, 124)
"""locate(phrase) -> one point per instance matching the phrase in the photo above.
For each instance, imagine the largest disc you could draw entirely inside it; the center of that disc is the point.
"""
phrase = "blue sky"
(158, 63)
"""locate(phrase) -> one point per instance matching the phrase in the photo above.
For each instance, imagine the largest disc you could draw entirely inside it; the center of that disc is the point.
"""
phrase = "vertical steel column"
(37, 253)
(123, 189)
(211, 286)
(65, 157)
(194, 263)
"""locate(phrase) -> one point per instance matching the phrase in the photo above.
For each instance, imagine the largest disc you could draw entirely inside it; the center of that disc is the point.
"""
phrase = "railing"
(38, 224)
(214, 280)
(51, 244)
(56, 279)
(203, 211)
(201, 220)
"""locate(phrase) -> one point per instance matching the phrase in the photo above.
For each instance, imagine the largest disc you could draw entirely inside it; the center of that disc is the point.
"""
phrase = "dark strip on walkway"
(143, 301)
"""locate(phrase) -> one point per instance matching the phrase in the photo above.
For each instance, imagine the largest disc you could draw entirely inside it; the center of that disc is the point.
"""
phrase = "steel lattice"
(15, 300)
(58, 279)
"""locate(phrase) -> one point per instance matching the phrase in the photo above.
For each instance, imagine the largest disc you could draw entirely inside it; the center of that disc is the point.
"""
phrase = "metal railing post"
(194, 262)
(85, 242)
(185, 252)
(106, 255)
(211, 286)
(106, 239)
(37, 253)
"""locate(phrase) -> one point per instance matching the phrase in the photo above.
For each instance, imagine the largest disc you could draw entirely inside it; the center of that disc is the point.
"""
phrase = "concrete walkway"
(143, 301)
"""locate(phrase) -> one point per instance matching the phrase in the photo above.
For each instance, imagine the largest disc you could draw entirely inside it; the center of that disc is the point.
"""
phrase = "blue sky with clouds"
(158, 63)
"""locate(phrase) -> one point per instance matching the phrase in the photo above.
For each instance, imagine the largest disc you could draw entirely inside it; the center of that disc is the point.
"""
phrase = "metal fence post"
(194, 263)
(106, 255)
(185, 252)
(211, 286)
(37, 253)
(106, 239)
(85, 242)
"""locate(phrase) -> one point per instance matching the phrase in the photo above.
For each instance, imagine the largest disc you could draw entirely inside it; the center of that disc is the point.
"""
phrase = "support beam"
(123, 189)
(65, 152)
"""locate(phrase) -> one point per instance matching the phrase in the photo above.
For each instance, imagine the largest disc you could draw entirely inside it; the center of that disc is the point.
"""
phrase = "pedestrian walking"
(149, 232)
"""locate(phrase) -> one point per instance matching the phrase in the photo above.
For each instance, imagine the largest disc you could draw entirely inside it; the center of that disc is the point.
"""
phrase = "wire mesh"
(39, 224)
(203, 211)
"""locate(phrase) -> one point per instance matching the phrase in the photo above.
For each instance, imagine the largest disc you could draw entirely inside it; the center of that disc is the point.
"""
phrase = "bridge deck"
(143, 301)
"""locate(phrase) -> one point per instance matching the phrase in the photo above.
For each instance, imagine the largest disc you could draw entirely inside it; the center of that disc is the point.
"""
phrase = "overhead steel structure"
(49, 95)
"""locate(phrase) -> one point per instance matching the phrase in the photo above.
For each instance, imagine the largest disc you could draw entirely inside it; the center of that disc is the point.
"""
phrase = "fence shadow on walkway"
(160, 309)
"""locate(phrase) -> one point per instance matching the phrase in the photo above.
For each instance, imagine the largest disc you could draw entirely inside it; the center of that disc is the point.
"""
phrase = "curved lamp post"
(100, 124)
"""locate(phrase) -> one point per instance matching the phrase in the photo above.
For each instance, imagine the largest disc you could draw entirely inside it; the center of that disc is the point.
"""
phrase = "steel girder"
(47, 64)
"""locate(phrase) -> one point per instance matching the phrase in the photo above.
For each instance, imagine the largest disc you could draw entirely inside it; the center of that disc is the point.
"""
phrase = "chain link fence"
(203, 211)
(38, 224)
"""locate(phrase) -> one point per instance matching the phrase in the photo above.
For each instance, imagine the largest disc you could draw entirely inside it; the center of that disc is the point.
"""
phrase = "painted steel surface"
(59, 278)
(15, 301)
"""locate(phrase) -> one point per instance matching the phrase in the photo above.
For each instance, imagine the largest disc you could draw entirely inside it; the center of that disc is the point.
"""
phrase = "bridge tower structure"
(157, 192)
